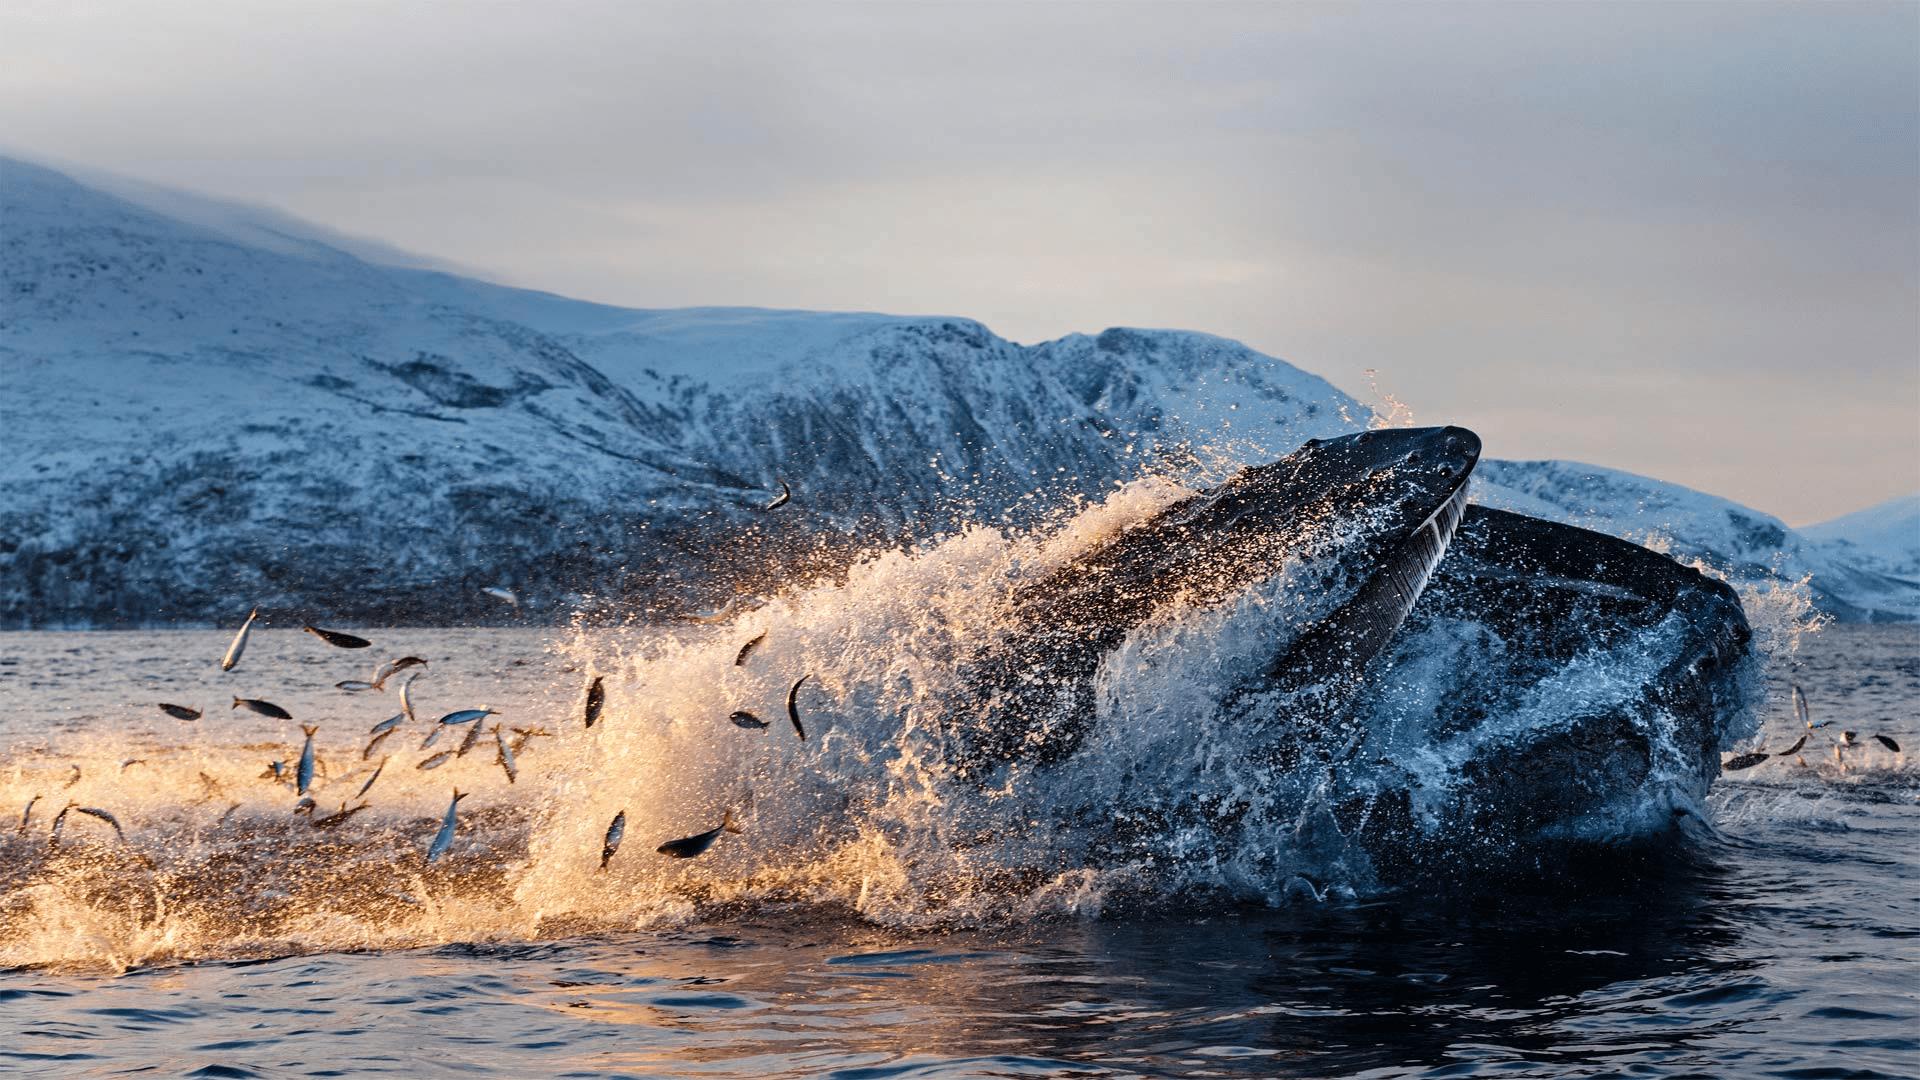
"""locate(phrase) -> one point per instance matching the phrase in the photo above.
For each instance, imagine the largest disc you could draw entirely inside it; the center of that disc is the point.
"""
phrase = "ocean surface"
(227, 936)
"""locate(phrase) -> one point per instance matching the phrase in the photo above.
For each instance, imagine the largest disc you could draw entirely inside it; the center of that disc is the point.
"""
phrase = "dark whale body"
(1472, 687)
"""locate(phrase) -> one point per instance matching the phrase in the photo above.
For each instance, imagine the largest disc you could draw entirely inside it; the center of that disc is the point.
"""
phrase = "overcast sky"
(1681, 239)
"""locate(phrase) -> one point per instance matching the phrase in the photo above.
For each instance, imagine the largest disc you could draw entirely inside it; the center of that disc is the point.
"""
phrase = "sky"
(1678, 239)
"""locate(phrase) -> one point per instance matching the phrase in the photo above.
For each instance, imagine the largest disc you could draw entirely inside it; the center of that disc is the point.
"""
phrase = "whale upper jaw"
(1371, 513)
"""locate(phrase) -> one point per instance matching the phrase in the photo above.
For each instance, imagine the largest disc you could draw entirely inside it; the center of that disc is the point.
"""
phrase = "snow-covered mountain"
(1885, 537)
(204, 411)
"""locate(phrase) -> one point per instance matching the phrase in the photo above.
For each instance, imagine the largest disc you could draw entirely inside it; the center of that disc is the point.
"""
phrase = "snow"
(211, 407)
(1885, 537)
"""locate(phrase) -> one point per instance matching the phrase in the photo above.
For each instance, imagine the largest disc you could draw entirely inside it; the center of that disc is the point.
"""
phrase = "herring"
(1887, 741)
(393, 667)
(374, 744)
(27, 815)
(386, 725)
(466, 744)
(1795, 748)
(436, 760)
(506, 755)
(743, 718)
(338, 818)
(337, 639)
(180, 712)
(406, 699)
(304, 778)
(465, 716)
(793, 711)
(596, 700)
(94, 811)
(433, 736)
(1745, 761)
(740, 659)
(692, 846)
(353, 686)
(277, 770)
(502, 594)
(780, 500)
(264, 708)
(304, 806)
(382, 767)
(611, 844)
(239, 642)
(444, 839)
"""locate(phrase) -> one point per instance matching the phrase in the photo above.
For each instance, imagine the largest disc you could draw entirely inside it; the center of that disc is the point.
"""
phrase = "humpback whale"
(1411, 681)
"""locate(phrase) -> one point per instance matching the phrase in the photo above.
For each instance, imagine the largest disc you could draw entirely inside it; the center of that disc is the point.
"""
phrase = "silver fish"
(780, 500)
(745, 719)
(466, 744)
(1794, 749)
(692, 846)
(59, 823)
(337, 639)
(437, 760)
(277, 770)
(376, 775)
(180, 712)
(596, 700)
(433, 736)
(304, 778)
(338, 818)
(615, 832)
(264, 708)
(444, 839)
(131, 762)
(793, 711)
(740, 659)
(506, 756)
(394, 667)
(465, 716)
(27, 815)
(1887, 741)
(94, 811)
(75, 778)
(406, 700)
(1800, 707)
(386, 725)
(353, 686)
(374, 744)
(304, 806)
(239, 642)
(499, 593)
(1744, 761)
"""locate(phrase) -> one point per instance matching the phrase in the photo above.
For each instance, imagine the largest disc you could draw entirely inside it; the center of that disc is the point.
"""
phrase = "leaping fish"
(337, 639)
(465, 716)
(692, 846)
(264, 708)
(376, 775)
(505, 595)
(466, 744)
(394, 667)
(239, 642)
(1745, 761)
(780, 500)
(436, 760)
(386, 725)
(94, 811)
(793, 710)
(338, 818)
(1887, 741)
(740, 659)
(27, 815)
(304, 778)
(506, 756)
(406, 698)
(354, 686)
(1795, 748)
(743, 718)
(596, 700)
(611, 844)
(180, 712)
(444, 839)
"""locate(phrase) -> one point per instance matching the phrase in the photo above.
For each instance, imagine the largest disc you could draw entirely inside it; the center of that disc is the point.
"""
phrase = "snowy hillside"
(1884, 537)
(206, 410)
(1690, 525)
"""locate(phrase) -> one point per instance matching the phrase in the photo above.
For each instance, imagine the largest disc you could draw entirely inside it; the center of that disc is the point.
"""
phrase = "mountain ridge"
(200, 423)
